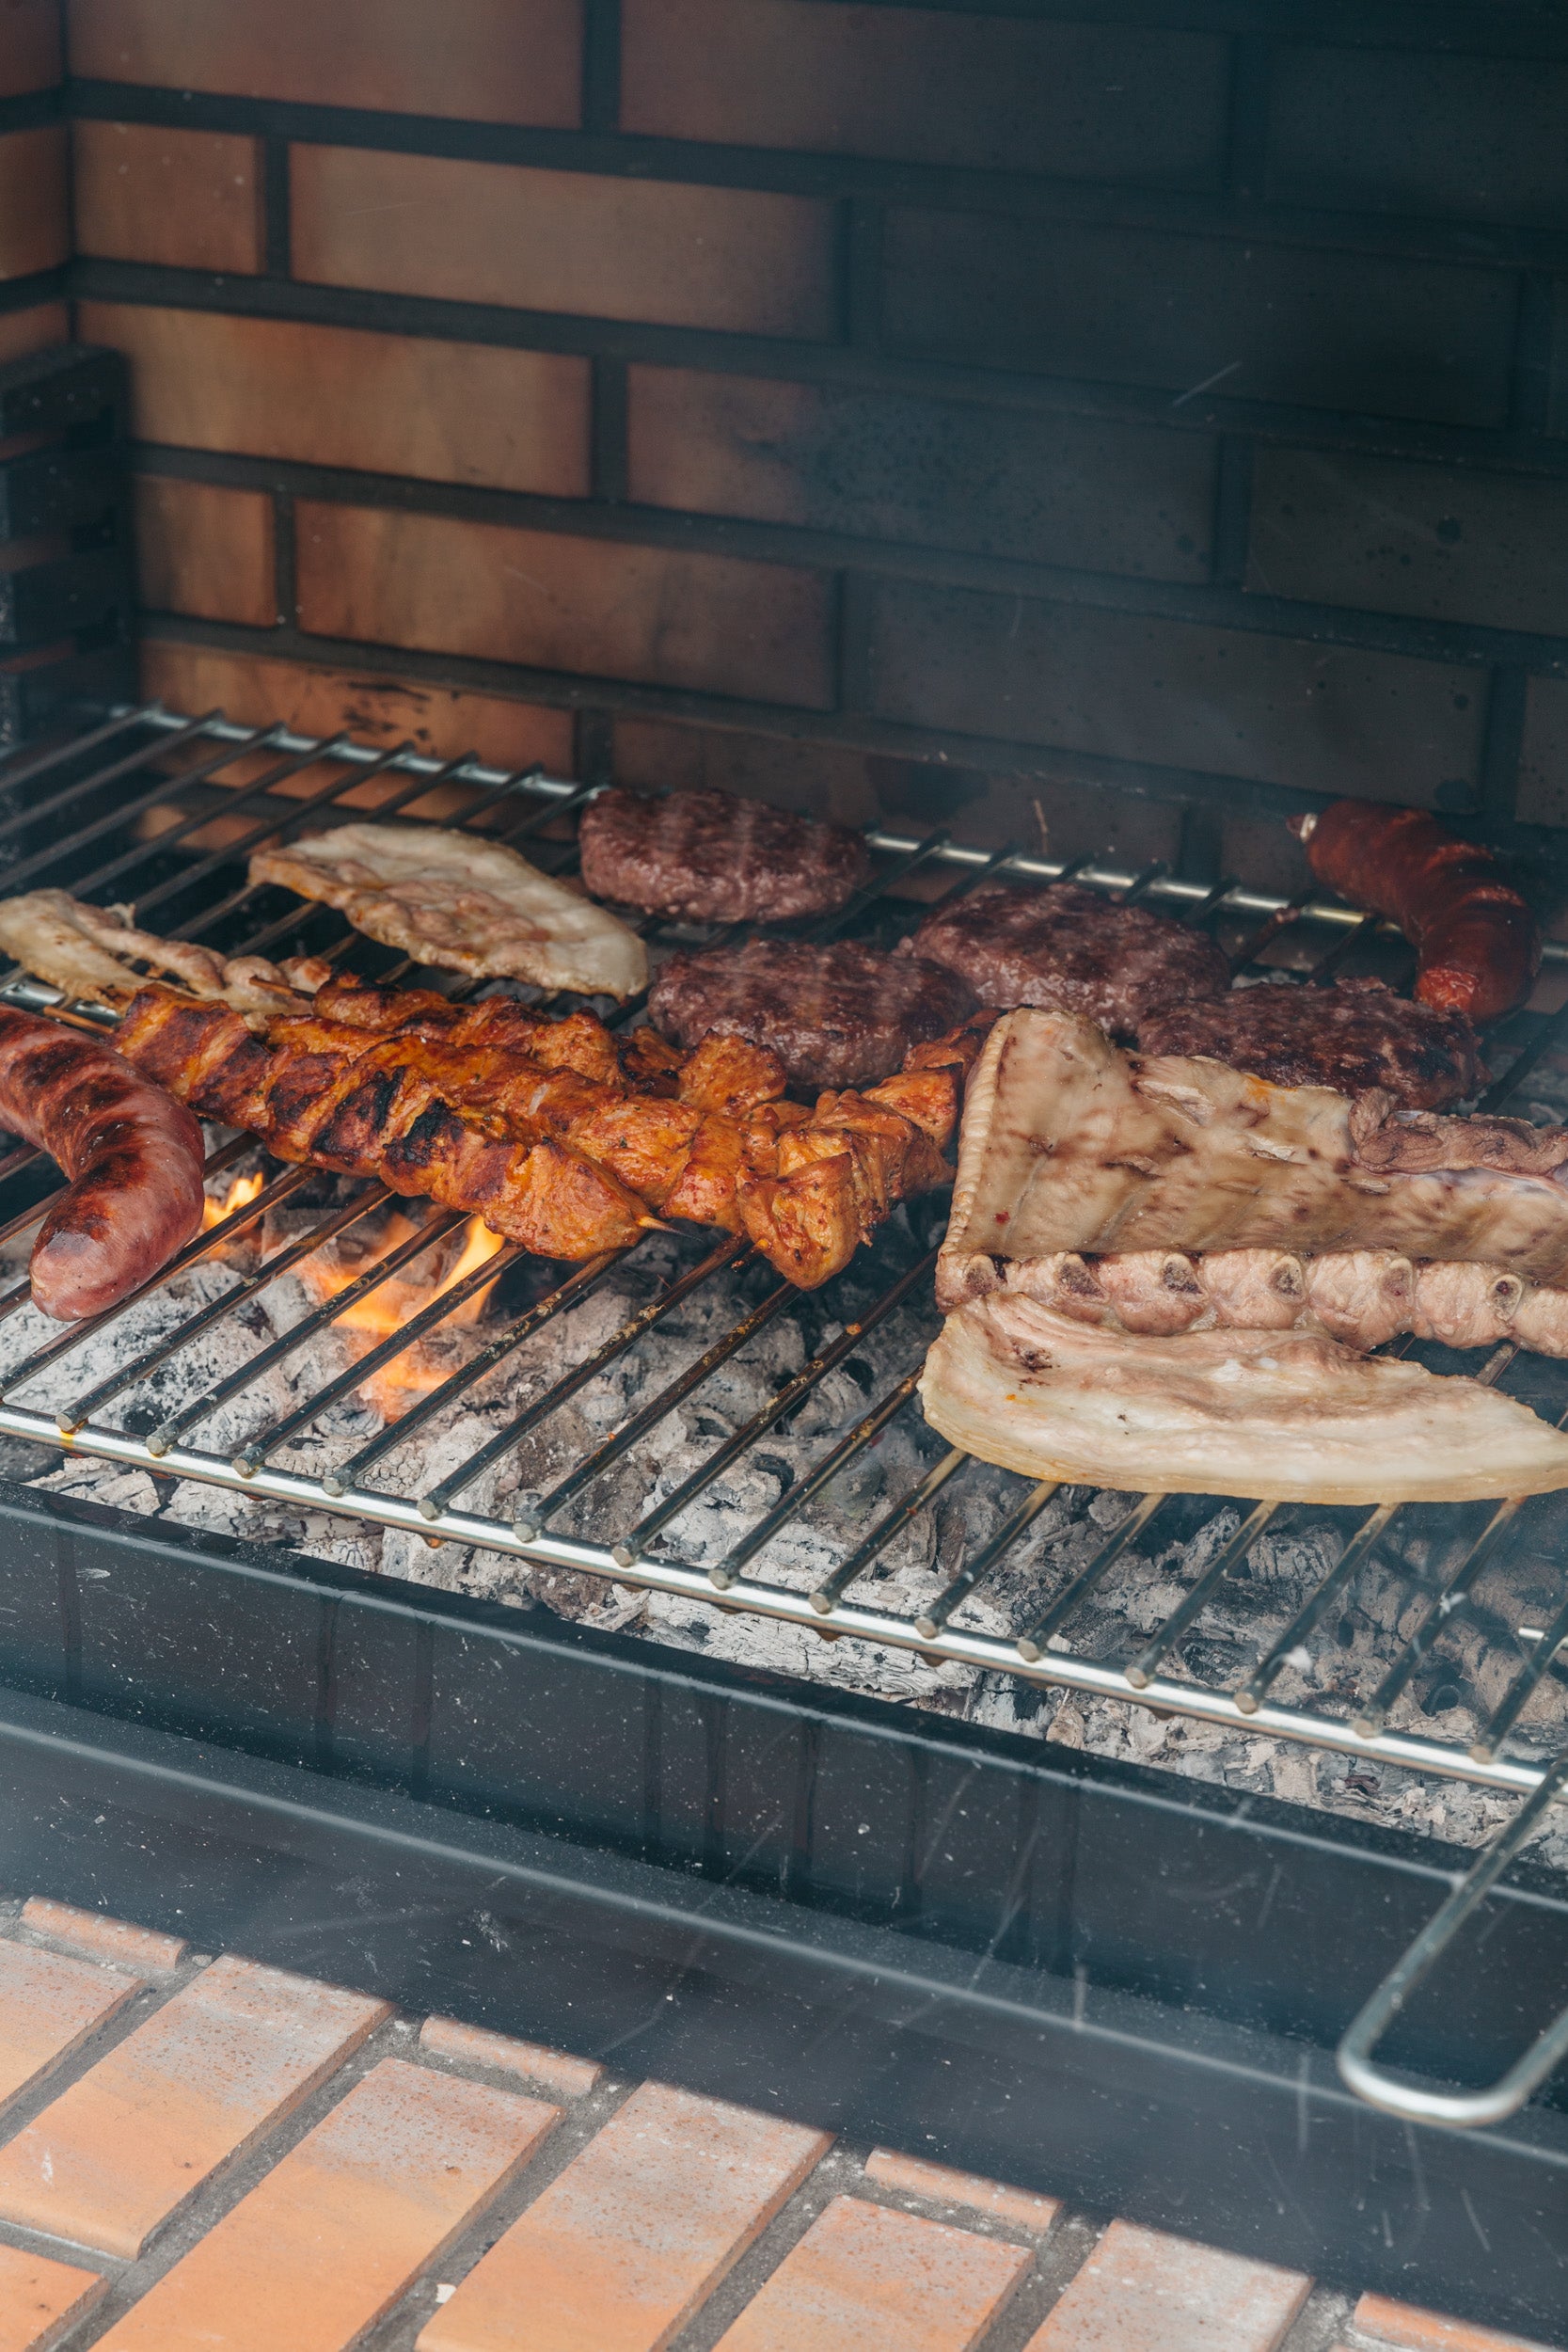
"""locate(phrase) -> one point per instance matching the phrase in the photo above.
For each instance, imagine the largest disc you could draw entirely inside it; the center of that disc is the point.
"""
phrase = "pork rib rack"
(562, 1135)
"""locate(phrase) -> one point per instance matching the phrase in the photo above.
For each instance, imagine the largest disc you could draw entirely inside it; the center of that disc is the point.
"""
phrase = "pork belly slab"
(1289, 1416)
(1069, 1146)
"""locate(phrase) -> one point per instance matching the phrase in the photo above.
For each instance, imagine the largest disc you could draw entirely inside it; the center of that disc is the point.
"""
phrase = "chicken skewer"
(563, 1138)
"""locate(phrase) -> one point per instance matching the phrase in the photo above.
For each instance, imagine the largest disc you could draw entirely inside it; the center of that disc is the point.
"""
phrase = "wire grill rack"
(110, 814)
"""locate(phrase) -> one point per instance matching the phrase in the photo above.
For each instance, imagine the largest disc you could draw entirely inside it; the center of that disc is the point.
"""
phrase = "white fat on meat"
(97, 956)
(1289, 1417)
(1071, 1147)
(462, 903)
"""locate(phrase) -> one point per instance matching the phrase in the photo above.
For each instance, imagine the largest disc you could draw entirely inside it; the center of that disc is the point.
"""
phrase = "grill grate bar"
(1372, 1717)
(48, 810)
(959, 1588)
(1031, 1644)
(267, 1441)
(723, 1573)
(72, 1417)
(433, 1229)
(1250, 1697)
(825, 1597)
(1515, 1700)
(794, 1392)
(577, 1285)
(1140, 1671)
(68, 843)
(560, 1391)
(24, 771)
(674, 1393)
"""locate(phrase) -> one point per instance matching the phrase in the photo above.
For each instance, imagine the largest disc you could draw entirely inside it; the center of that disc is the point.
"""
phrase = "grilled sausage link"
(133, 1154)
(1477, 944)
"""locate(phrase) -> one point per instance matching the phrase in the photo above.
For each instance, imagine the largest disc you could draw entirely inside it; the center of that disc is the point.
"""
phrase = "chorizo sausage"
(1477, 944)
(133, 1154)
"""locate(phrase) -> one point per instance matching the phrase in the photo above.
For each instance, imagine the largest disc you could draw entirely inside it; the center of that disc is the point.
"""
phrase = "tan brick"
(863, 2275)
(590, 606)
(123, 2147)
(563, 241)
(205, 551)
(1415, 2330)
(1544, 756)
(991, 91)
(332, 396)
(1236, 702)
(49, 2005)
(39, 2299)
(30, 51)
(470, 2045)
(189, 199)
(635, 2235)
(916, 2178)
(1101, 497)
(818, 779)
(35, 207)
(443, 721)
(1443, 542)
(491, 60)
(95, 1935)
(344, 2223)
(1144, 2292)
(33, 330)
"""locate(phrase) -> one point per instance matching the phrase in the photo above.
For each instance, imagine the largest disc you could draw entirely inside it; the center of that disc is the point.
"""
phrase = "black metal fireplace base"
(1091, 1979)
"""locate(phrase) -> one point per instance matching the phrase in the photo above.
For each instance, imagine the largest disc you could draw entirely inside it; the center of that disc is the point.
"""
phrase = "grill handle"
(1507, 2095)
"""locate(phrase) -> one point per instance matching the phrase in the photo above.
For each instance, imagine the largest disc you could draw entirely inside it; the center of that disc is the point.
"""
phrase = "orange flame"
(241, 1192)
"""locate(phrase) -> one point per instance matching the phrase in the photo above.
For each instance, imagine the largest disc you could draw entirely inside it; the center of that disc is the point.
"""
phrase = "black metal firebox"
(1097, 1976)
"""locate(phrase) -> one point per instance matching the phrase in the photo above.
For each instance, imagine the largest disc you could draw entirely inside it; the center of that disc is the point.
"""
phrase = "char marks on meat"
(710, 857)
(836, 1016)
(1354, 1036)
(1072, 949)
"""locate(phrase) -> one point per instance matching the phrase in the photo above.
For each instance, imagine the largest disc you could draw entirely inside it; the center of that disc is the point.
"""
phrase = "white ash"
(1456, 1686)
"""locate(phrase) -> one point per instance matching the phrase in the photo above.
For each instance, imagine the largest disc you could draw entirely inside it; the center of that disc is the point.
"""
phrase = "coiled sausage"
(1477, 944)
(133, 1154)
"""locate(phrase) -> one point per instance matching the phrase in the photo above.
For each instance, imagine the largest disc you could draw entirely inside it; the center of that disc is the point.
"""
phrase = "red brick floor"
(202, 2155)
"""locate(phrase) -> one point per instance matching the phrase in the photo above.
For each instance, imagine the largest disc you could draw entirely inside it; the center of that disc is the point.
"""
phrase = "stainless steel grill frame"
(134, 744)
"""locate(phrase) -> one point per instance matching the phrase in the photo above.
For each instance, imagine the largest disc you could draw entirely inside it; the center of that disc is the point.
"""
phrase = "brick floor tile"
(491, 61)
(337, 396)
(33, 330)
(991, 91)
(123, 2147)
(1143, 2292)
(119, 1941)
(189, 199)
(48, 2008)
(1415, 2330)
(345, 2221)
(205, 551)
(35, 211)
(38, 2298)
(257, 690)
(917, 2178)
(30, 52)
(570, 241)
(592, 606)
(568, 2077)
(864, 2275)
(639, 2230)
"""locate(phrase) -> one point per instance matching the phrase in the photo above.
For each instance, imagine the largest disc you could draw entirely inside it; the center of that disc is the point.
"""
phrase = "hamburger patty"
(710, 857)
(1354, 1036)
(1074, 951)
(837, 1016)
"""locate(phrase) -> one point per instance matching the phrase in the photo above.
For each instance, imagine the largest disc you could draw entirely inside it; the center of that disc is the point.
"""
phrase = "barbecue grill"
(164, 810)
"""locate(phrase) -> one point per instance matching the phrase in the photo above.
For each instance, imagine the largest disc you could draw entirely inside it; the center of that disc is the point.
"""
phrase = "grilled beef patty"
(1354, 1036)
(710, 857)
(838, 1016)
(1074, 951)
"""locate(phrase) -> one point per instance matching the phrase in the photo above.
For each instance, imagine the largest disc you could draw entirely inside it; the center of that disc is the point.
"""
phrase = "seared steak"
(1074, 950)
(837, 1016)
(710, 857)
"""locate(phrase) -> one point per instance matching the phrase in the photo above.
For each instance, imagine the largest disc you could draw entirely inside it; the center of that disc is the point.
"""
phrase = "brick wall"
(1145, 407)
(35, 205)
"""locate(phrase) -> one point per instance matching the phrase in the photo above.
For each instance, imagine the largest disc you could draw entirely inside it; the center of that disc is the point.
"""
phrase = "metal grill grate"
(121, 804)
